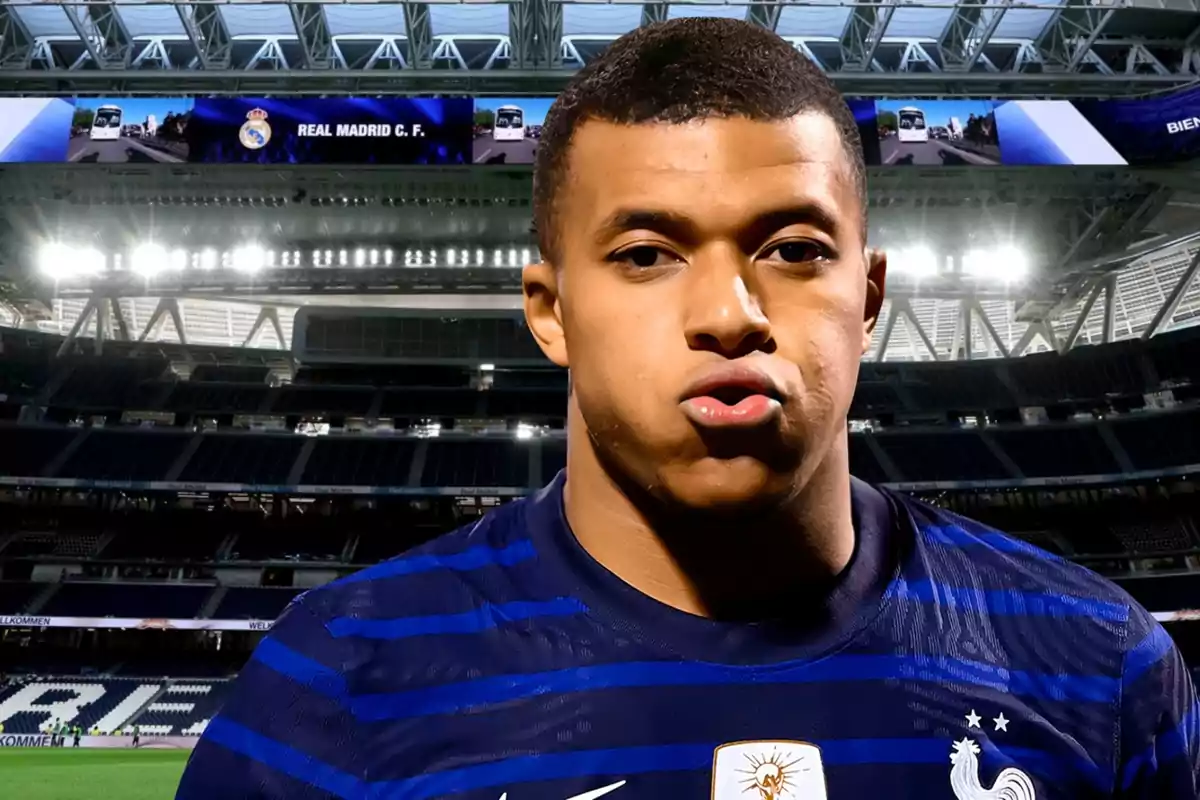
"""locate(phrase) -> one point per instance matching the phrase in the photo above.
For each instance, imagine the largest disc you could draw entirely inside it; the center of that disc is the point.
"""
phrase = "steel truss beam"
(206, 30)
(420, 35)
(764, 13)
(313, 30)
(536, 81)
(102, 30)
(865, 28)
(536, 34)
(16, 43)
(1171, 303)
(1069, 37)
(968, 33)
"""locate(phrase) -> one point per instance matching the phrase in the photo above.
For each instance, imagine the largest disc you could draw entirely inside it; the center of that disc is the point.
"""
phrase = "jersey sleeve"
(287, 730)
(1160, 724)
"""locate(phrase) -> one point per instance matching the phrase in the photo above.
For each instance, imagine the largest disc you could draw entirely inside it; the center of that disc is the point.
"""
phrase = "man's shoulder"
(401, 585)
(965, 553)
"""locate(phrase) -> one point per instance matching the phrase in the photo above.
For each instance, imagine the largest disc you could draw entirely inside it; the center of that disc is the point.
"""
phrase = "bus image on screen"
(911, 124)
(509, 125)
(106, 124)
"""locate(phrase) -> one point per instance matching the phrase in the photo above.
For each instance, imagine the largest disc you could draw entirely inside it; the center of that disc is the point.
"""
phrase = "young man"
(706, 604)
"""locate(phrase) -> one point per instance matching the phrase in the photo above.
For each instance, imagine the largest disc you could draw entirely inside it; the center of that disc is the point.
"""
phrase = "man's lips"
(732, 395)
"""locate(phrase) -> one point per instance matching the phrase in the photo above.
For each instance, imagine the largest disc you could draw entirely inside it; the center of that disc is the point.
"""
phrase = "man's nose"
(725, 314)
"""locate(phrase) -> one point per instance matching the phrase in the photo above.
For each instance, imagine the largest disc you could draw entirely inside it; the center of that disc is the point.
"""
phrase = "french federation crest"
(256, 132)
(768, 770)
(1010, 784)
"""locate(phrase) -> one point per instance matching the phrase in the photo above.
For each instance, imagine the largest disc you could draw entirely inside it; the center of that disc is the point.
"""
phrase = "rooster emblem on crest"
(1011, 783)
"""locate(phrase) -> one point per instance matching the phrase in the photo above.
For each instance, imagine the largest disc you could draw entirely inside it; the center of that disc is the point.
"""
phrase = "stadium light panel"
(179, 260)
(1007, 264)
(360, 257)
(487, 367)
(374, 257)
(90, 261)
(479, 258)
(525, 255)
(56, 261)
(249, 259)
(148, 259)
(451, 257)
(917, 261)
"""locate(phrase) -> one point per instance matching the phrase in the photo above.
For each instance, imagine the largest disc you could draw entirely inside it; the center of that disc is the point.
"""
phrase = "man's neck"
(750, 567)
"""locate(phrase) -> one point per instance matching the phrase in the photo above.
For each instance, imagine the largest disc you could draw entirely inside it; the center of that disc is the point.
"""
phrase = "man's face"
(712, 300)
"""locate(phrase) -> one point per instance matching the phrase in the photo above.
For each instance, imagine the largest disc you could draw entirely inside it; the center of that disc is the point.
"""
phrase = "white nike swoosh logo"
(592, 795)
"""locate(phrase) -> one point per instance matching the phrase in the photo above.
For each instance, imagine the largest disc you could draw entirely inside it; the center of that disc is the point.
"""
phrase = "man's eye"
(800, 252)
(645, 257)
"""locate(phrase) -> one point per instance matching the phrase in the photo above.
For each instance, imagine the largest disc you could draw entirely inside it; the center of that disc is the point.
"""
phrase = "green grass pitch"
(44, 773)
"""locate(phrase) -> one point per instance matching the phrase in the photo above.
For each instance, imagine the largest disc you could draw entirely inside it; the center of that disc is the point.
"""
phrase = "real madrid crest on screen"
(768, 770)
(256, 132)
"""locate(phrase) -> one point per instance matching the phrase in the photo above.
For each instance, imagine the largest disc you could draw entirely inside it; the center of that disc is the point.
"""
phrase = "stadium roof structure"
(876, 47)
(1113, 253)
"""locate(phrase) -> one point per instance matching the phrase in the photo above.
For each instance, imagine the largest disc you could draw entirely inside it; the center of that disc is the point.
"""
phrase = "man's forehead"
(714, 146)
(726, 166)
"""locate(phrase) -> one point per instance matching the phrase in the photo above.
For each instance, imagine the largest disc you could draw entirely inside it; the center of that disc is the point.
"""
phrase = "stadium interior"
(224, 384)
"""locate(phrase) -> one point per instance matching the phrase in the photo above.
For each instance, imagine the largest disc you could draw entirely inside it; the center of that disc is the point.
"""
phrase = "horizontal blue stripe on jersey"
(956, 536)
(618, 762)
(301, 668)
(466, 695)
(454, 697)
(285, 759)
(1145, 654)
(464, 561)
(1009, 602)
(483, 618)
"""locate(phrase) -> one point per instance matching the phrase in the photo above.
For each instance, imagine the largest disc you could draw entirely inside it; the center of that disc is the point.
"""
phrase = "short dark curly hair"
(680, 71)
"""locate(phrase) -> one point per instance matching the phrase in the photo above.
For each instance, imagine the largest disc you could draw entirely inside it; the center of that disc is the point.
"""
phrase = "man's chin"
(727, 486)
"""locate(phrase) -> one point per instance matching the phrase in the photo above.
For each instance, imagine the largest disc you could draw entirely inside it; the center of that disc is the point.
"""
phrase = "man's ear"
(543, 311)
(876, 261)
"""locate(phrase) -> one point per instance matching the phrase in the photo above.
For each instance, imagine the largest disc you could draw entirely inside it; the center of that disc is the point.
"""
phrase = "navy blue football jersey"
(500, 662)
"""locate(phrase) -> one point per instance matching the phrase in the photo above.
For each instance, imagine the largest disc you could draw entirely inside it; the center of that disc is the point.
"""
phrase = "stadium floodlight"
(148, 259)
(917, 261)
(179, 260)
(360, 257)
(512, 257)
(374, 257)
(343, 258)
(487, 367)
(525, 255)
(479, 258)
(388, 255)
(524, 430)
(56, 261)
(496, 258)
(208, 260)
(1005, 264)
(248, 258)
(89, 261)
(451, 257)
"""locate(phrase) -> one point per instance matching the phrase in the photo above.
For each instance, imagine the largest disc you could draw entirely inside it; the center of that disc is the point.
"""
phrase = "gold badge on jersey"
(768, 770)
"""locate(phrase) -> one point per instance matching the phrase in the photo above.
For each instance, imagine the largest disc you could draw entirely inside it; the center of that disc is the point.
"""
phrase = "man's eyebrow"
(679, 226)
(811, 212)
(643, 219)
